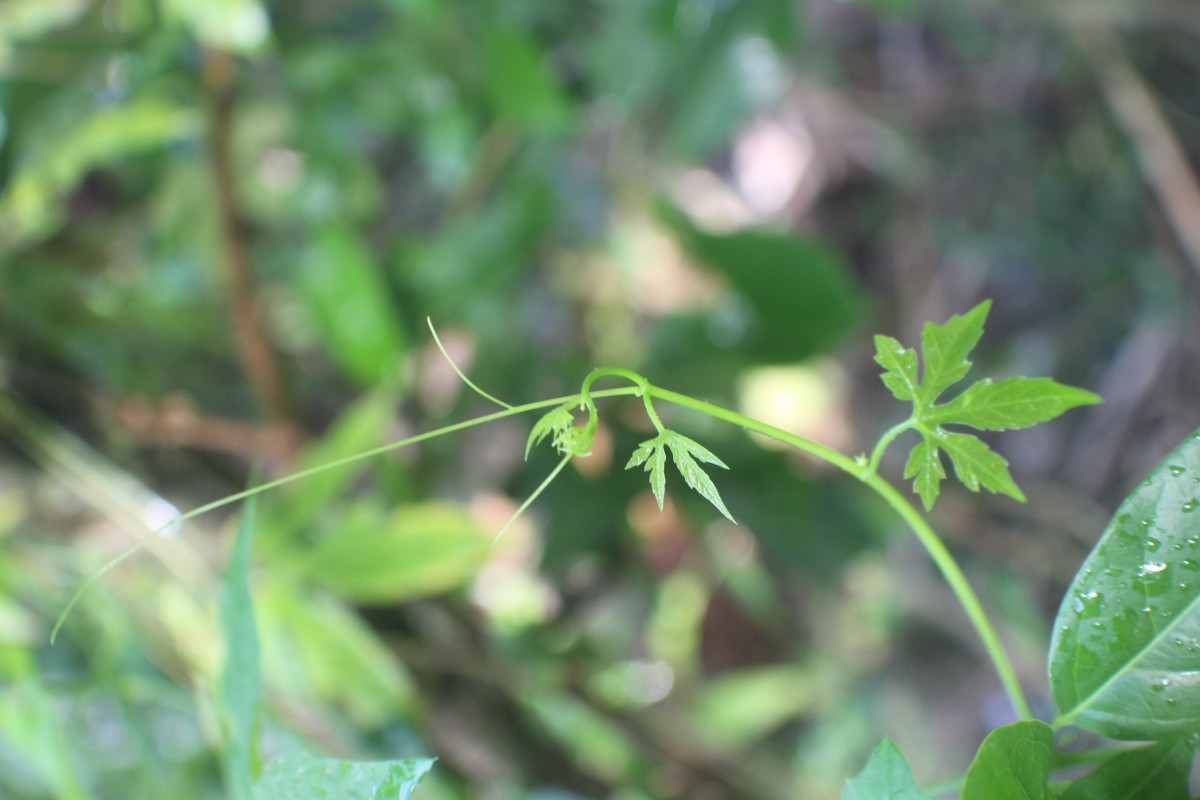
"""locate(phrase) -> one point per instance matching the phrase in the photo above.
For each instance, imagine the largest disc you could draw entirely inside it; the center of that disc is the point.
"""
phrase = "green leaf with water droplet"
(886, 777)
(1126, 642)
(1013, 761)
(1157, 772)
(900, 367)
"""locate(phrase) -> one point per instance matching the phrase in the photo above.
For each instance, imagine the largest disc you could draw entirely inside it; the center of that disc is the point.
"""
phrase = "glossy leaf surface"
(1013, 761)
(886, 777)
(1125, 657)
(299, 776)
(1157, 772)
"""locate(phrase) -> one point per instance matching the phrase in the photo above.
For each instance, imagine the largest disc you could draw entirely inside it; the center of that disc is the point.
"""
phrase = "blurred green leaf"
(29, 725)
(416, 550)
(240, 26)
(800, 296)
(735, 710)
(240, 689)
(299, 776)
(49, 168)
(521, 85)
(315, 647)
(886, 777)
(349, 300)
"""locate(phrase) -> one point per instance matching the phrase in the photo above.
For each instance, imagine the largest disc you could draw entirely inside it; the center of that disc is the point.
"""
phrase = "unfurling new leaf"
(1004, 405)
(557, 424)
(684, 452)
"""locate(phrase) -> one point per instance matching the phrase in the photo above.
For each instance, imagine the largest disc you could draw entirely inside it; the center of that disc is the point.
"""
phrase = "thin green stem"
(534, 496)
(925, 534)
(307, 473)
(644, 389)
(884, 441)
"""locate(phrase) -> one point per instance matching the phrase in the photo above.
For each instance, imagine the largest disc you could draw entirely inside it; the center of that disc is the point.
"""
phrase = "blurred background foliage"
(223, 224)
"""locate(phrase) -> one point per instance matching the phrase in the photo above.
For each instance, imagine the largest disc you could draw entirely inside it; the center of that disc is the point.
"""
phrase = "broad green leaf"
(1009, 404)
(1157, 772)
(1012, 762)
(886, 777)
(1126, 643)
(977, 465)
(299, 776)
(925, 466)
(900, 364)
(240, 686)
(417, 550)
(945, 349)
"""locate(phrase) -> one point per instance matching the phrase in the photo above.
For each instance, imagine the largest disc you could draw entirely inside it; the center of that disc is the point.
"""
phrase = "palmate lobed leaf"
(684, 452)
(555, 424)
(1007, 404)
(1125, 655)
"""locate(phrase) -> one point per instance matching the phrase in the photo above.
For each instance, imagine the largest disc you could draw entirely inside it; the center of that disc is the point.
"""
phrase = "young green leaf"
(1013, 761)
(684, 452)
(1004, 405)
(1157, 772)
(651, 454)
(1123, 657)
(554, 424)
(886, 777)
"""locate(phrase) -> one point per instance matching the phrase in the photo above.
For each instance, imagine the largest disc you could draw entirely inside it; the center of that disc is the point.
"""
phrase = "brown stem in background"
(1165, 167)
(258, 357)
